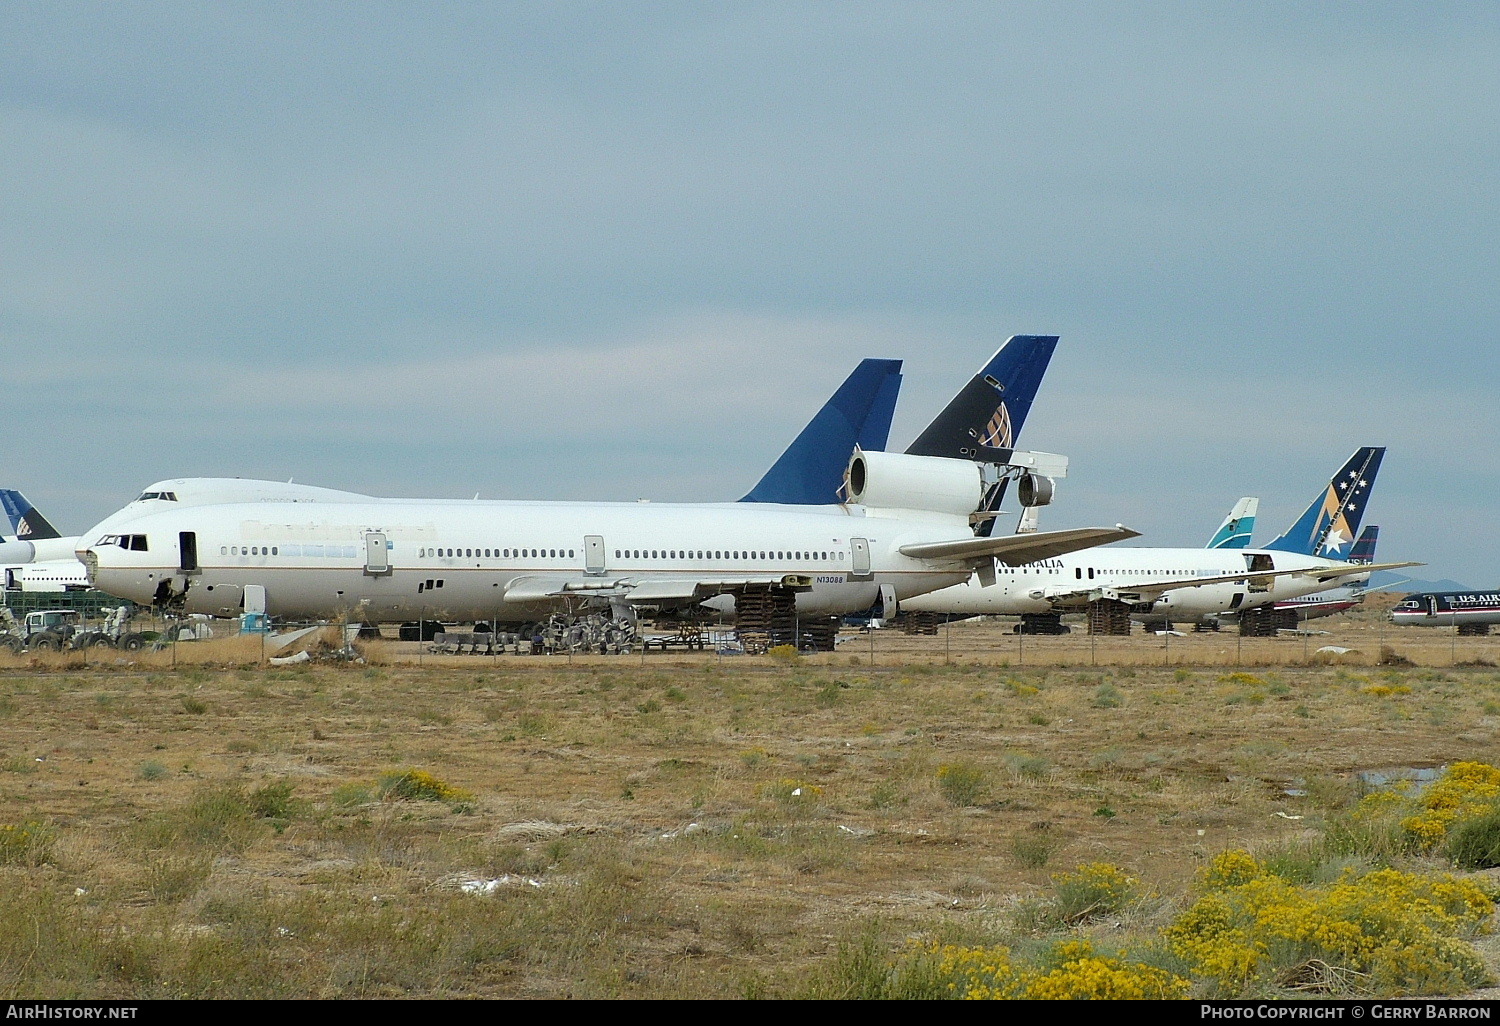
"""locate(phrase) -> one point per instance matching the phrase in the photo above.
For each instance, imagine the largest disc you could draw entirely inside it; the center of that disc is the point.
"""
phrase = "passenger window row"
(826, 557)
(456, 553)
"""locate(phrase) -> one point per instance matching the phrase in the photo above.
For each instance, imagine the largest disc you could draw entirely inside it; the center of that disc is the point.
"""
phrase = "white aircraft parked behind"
(906, 530)
(1181, 584)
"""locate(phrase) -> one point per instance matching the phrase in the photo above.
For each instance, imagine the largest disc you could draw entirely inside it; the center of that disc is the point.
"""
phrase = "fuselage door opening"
(187, 542)
(1260, 561)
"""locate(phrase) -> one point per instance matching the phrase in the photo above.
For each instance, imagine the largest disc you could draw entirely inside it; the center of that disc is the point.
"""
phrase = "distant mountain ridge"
(1389, 580)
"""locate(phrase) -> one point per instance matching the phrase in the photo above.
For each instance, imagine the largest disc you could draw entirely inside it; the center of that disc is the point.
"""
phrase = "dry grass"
(682, 826)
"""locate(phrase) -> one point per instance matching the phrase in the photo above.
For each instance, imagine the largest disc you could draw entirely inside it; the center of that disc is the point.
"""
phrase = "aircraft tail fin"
(1327, 527)
(988, 413)
(1235, 531)
(26, 522)
(811, 470)
(1364, 547)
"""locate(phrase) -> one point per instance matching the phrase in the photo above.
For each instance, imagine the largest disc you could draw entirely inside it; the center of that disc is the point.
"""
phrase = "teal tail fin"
(1235, 531)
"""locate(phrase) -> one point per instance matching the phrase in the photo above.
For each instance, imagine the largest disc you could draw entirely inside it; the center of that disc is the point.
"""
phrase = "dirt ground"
(761, 809)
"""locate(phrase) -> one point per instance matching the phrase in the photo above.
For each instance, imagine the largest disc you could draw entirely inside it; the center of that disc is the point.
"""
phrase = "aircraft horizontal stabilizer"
(1335, 572)
(1017, 549)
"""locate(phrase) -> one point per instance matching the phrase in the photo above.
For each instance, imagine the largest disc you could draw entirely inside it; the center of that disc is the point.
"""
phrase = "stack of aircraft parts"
(1203, 626)
(820, 634)
(1265, 621)
(1473, 630)
(1109, 616)
(1041, 623)
(594, 633)
(765, 619)
(918, 623)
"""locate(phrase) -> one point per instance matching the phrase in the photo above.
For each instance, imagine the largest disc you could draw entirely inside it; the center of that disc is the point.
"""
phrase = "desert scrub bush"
(792, 792)
(1107, 696)
(783, 653)
(963, 784)
(419, 785)
(216, 818)
(1066, 970)
(1385, 933)
(1475, 843)
(1243, 679)
(25, 844)
(1035, 847)
(274, 802)
(1094, 889)
(1467, 791)
(1032, 768)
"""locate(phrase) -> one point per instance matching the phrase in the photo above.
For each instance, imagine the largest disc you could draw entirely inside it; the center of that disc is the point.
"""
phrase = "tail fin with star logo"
(1328, 526)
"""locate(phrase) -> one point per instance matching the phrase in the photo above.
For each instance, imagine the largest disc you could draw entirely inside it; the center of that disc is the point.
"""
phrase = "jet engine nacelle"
(894, 480)
(17, 552)
(1034, 490)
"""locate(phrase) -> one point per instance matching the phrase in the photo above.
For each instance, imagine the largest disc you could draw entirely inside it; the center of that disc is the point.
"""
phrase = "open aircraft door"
(1260, 561)
(187, 547)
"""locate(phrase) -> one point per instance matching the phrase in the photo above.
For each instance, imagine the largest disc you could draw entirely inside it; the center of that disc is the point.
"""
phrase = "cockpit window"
(163, 496)
(134, 542)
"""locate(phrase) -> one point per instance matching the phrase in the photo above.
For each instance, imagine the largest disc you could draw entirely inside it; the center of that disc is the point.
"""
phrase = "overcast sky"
(617, 250)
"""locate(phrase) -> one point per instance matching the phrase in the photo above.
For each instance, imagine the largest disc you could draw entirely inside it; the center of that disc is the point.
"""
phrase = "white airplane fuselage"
(1068, 582)
(460, 560)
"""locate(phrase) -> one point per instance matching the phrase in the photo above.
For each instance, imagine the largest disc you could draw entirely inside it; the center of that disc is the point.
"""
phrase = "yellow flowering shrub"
(977, 973)
(1467, 790)
(1072, 971)
(419, 785)
(1230, 869)
(1094, 888)
(1081, 974)
(1386, 690)
(1255, 927)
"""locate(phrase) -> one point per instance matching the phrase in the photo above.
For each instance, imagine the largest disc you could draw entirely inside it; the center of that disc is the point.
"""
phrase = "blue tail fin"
(811, 470)
(1235, 531)
(1364, 548)
(989, 411)
(1327, 527)
(25, 522)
